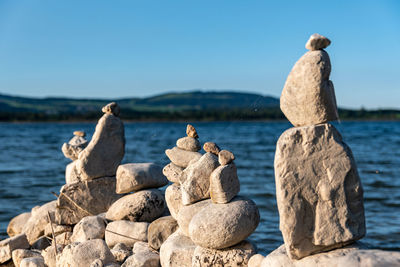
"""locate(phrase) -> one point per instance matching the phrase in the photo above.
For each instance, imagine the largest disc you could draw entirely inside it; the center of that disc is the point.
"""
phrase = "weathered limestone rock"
(173, 172)
(17, 224)
(225, 157)
(211, 147)
(41, 243)
(235, 256)
(105, 151)
(224, 225)
(317, 42)
(177, 251)
(126, 232)
(71, 173)
(224, 183)
(308, 96)
(142, 206)
(186, 214)
(63, 239)
(255, 260)
(160, 230)
(195, 179)
(351, 256)
(83, 254)
(32, 262)
(181, 157)
(92, 197)
(188, 143)
(90, 227)
(7, 246)
(120, 252)
(57, 228)
(142, 256)
(49, 255)
(19, 254)
(320, 203)
(97, 263)
(34, 227)
(70, 151)
(173, 197)
(191, 131)
(137, 176)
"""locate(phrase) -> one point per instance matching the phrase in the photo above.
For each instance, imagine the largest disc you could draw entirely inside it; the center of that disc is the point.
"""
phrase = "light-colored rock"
(191, 131)
(19, 254)
(188, 143)
(111, 109)
(172, 172)
(142, 256)
(7, 246)
(181, 157)
(126, 232)
(79, 133)
(41, 243)
(49, 255)
(142, 206)
(34, 227)
(195, 179)
(351, 256)
(70, 151)
(224, 183)
(235, 256)
(173, 197)
(137, 176)
(186, 214)
(83, 254)
(57, 228)
(320, 203)
(308, 96)
(224, 225)
(90, 227)
(120, 252)
(177, 251)
(160, 230)
(225, 157)
(105, 151)
(17, 224)
(32, 262)
(97, 263)
(63, 239)
(317, 42)
(92, 197)
(211, 147)
(255, 260)
(71, 173)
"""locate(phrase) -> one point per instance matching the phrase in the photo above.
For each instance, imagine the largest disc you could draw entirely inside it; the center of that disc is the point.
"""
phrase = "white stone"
(188, 143)
(177, 251)
(224, 183)
(7, 246)
(57, 228)
(173, 197)
(49, 255)
(34, 227)
(90, 227)
(186, 214)
(19, 254)
(317, 42)
(142, 256)
(70, 151)
(71, 173)
(32, 262)
(181, 157)
(173, 172)
(17, 224)
(255, 260)
(120, 252)
(126, 232)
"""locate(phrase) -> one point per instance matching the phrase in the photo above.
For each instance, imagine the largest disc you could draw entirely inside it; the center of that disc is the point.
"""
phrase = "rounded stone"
(211, 147)
(225, 157)
(317, 42)
(186, 214)
(191, 131)
(188, 143)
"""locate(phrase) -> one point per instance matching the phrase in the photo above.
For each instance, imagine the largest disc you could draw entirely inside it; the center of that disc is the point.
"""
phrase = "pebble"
(211, 147)
(191, 131)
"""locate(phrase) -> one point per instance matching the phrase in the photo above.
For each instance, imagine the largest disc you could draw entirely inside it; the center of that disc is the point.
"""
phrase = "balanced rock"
(79, 133)
(224, 183)
(160, 230)
(142, 256)
(195, 179)
(188, 143)
(17, 224)
(111, 109)
(191, 131)
(308, 96)
(19, 254)
(186, 214)
(126, 232)
(71, 152)
(142, 206)
(235, 256)
(225, 157)
(173, 197)
(320, 203)
(120, 252)
(137, 176)
(177, 251)
(173, 172)
(317, 42)
(32, 262)
(231, 223)
(90, 227)
(211, 147)
(85, 198)
(7, 246)
(181, 157)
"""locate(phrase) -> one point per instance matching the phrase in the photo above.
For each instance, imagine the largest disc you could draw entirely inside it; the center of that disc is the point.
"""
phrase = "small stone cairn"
(213, 222)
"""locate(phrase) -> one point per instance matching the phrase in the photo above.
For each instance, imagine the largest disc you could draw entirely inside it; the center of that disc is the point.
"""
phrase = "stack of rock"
(213, 221)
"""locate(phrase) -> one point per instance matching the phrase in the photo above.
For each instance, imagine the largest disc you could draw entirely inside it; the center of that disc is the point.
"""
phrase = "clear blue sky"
(112, 49)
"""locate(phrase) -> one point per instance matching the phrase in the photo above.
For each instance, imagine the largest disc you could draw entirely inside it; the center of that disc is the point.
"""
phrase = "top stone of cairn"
(317, 42)
(191, 131)
(111, 108)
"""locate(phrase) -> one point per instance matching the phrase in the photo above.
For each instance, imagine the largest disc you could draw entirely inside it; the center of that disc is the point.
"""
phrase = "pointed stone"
(191, 131)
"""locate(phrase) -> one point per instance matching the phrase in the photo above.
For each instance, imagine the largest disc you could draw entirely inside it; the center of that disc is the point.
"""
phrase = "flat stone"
(34, 227)
(308, 97)
(317, 42)
(71, 173)
(225, 157)
(173, 197)
(121, 252)
(57, 228)
(195, 179)
(137, 176)
(186, 214)
(142, 206)
(90, 227)
(188, 143)
(211, 147)
(111, 109)
(79, 133)
(142, 256)
(104, 153)
(224, 183)
(160, 230)
(172, 172)
(181, 157)
(235, 256)
(92, 197)
(7, 246)
(177, 251)
(224, 225)
(191, 131)
(19, 254)
(126, 232)
(17, 224)
(32, 262)
(320, 204)
(255, 260)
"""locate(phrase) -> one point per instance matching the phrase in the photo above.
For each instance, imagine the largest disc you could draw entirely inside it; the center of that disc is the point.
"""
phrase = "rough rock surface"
(186, 214)
(32, 262)
(181, 157)
(137, 176)
(90, 227)
(126, 232)
(34, 227)
(235, 256)
(71, 174)
(173, 197)
(191, 131)
(111, 108)
(160, 230)
(224, 183)
(92, 197)
(173, 172)
(64, 238)
(317, 42)
(211, 147)
(57, 228)
(320, 204)
(17, 224)
(7, 246)
(195, 179)
(308, 96)
(19, 254)
(225, 157)
(177, 251)
(120, 252)
(70, 151)
(142, 206)
(223, 225)
(142, 256)
(255, 260)
(49, 255)
(188, 143)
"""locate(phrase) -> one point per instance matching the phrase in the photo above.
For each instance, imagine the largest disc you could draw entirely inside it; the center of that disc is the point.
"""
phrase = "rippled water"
(32, 165)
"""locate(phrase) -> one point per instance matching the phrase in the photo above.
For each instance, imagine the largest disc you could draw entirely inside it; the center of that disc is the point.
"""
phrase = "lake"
(32, 165)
